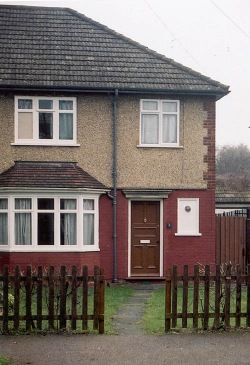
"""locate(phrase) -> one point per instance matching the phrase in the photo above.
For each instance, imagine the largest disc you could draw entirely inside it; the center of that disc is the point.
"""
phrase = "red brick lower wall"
(177, 250)
(190, 250)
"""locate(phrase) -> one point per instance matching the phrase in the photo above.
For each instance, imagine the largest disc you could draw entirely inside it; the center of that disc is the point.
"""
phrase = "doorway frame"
(129, 235)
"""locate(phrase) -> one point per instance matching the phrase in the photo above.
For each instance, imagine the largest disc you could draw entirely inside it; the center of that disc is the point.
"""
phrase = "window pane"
(45, 204)
(169, 106)
(45, 104)
(65, 126)
(66, 104)
(169, 129)
(88, 229)
(68, 228)
(150, 105)
(25, 125)
(68, 204)
(45, 229)
(3, 228)
(150, 129)
(88, 204)
(3, 203)
(24, 103)
(23, 228)
(45, 125)
(23, 203)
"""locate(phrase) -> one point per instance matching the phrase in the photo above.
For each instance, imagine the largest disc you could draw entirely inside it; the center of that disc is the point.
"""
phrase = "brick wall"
(177, 250)
(209, 141)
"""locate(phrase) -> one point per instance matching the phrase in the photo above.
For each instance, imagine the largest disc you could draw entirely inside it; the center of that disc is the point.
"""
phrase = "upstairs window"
(45, 120)
(159, 123)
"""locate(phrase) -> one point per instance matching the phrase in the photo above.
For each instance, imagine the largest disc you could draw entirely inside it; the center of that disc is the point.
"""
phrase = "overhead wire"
(172, 33)
(230, 19)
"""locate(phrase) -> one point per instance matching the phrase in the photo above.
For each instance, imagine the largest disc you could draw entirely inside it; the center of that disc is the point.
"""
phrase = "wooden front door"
(145, 238)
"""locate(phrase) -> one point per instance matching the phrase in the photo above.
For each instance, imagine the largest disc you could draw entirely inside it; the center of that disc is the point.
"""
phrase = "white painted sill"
(188, 234)
(45, 144)
(158, 146)
(47, 250)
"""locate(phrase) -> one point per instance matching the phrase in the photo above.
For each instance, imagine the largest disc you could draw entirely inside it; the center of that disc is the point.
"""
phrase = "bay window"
(45, 120)
(49, 223)
(159, 123)
(3, 221)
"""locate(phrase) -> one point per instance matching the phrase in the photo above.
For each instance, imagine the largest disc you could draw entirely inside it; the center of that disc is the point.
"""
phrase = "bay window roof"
(48, 174)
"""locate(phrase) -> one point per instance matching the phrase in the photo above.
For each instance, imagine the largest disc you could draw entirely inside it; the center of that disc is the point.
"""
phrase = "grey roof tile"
(60, 48)
(44, 174)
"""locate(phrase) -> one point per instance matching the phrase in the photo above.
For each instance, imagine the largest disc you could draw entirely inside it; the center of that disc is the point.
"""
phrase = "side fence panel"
(231, 240)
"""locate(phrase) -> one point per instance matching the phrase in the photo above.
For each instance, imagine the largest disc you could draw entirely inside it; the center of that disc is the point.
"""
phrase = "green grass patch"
(154, 315)
(4, 360)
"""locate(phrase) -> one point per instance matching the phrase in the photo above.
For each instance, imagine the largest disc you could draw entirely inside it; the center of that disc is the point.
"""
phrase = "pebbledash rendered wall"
(180, 167)
(189, 171)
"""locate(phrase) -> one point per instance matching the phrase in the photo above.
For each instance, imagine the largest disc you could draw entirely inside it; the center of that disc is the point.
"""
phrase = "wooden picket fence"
(207, 300)
(45, 299)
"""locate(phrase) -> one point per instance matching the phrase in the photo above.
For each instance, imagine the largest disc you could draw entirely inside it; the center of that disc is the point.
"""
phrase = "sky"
(210, 36)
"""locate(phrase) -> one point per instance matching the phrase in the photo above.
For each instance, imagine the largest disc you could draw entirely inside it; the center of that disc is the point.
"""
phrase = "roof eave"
(218, 94)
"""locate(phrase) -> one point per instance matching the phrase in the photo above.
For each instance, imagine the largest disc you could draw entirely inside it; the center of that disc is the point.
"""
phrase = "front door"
(145, 238)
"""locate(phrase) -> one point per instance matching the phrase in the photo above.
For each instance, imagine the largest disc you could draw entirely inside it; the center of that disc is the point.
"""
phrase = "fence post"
(168, 302)
(196, 297)
(174, 296)
(248, 237)
(39, 296)
(74, 298)
(63, 296)
(85, 278)
(248, 295)
(28, 284)
(51, 297)
(101, 302)
(5, 299)
(16, 297)
(96, 297)
(238, 296)
(185, 296)
(227, 295)
(217, 298)
(206, 297)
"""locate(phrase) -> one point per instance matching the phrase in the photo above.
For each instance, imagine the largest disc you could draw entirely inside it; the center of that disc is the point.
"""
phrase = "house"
(107, 149)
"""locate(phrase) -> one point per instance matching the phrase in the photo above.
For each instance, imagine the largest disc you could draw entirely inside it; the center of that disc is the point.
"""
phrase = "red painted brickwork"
(177, 250)
(209, 141)
(190, 250)
(46, 259)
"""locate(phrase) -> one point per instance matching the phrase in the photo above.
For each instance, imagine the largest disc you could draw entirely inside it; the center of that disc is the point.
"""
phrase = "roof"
(59, 48)
(230, 198)
(34, 174)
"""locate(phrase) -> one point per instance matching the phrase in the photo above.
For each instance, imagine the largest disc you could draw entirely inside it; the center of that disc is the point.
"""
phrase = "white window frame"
(160, 113)
(6, 246)
(55, 141)
(196, 216)
(57, 247)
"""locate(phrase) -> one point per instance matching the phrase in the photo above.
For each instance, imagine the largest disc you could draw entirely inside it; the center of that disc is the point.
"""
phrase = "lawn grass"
(4, 360)
(153, 319)
(115, 296)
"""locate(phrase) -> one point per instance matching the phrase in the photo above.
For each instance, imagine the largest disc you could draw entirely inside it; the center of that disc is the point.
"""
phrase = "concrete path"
(175, 349)
(128, 320)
